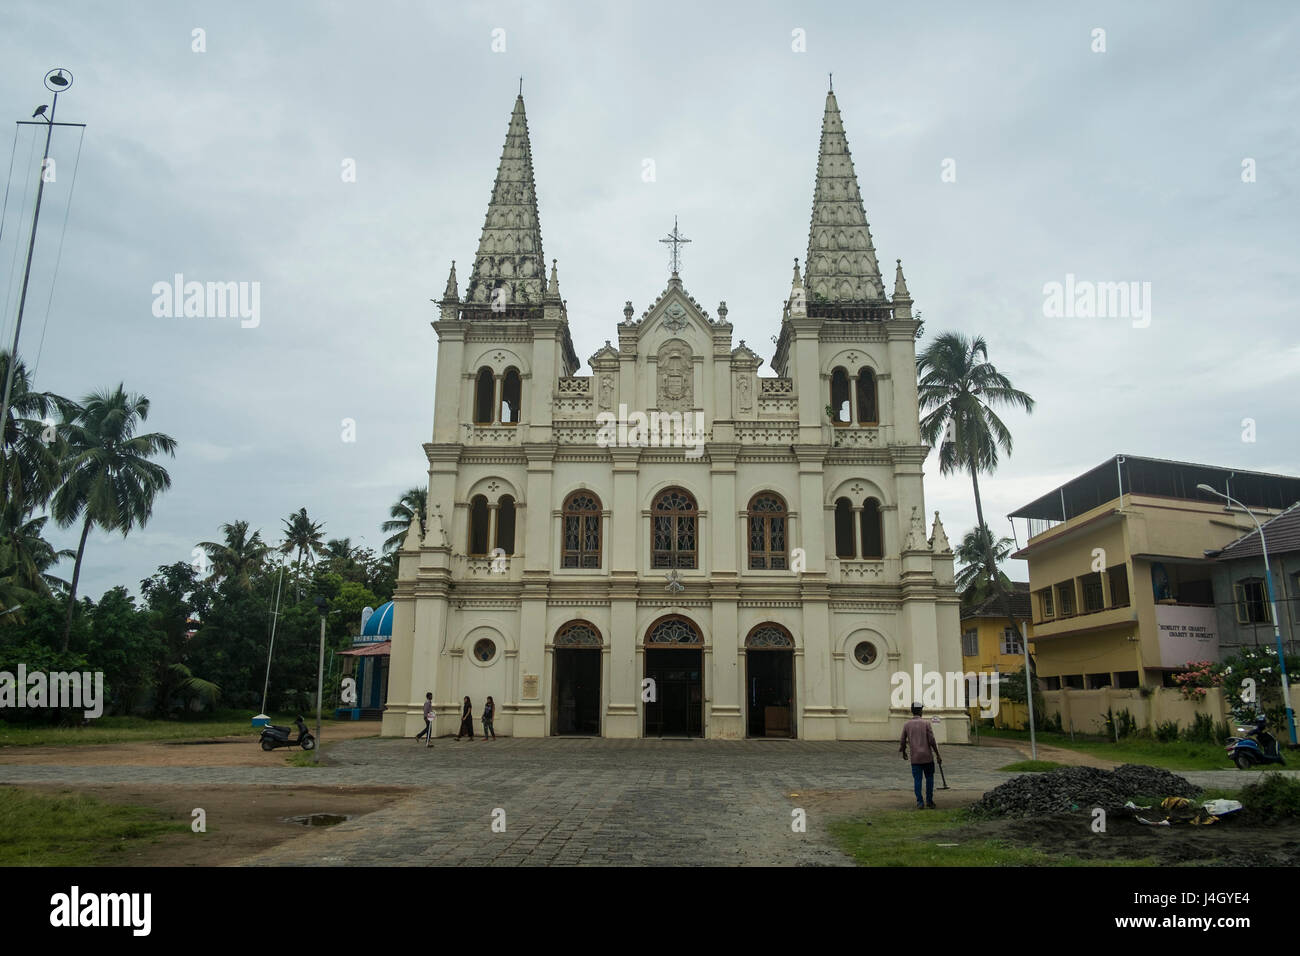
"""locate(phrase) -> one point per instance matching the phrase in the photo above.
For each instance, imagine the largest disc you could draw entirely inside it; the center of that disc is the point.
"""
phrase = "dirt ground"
(241, 820)
(1236, 840)
(1070, 758)
(244, 751)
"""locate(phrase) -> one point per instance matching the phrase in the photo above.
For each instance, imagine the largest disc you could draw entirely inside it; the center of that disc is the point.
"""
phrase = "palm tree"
(972, 580)
(340, 549)
(959, 388)
(239, 556)
(412, 505)
(109, 479)
(31, 555)
(302, 535)
(31, 449)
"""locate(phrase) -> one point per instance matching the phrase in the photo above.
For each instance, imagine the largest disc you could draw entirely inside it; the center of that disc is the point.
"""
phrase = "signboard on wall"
(530, 683)
(1186, 634)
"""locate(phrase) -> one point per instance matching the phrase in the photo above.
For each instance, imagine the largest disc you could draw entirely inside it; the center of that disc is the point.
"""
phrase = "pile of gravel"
(1083, 788)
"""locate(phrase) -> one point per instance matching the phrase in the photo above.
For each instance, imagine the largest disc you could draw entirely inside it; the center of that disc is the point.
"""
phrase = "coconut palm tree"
(239, 556)
(29, 459)
(412, 505)
(302, 535)
(32, 556)
(972, 578)
(958, 390)
(108, 477)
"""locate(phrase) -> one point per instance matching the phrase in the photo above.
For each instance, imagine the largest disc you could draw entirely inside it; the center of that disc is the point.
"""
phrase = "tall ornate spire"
(841, 264)
(510, 250)
(451, 293)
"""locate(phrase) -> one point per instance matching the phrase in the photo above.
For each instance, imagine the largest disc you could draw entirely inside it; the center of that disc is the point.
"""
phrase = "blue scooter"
(1258, 746)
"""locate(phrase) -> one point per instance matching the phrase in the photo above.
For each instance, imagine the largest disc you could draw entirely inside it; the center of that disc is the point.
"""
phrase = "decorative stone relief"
(676, 378)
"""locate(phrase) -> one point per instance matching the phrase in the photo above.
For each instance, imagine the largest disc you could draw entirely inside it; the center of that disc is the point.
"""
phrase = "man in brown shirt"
(925, 751)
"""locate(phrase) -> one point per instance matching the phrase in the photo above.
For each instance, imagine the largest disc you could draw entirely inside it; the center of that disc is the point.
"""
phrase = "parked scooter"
(273, 736)
(1258, 746)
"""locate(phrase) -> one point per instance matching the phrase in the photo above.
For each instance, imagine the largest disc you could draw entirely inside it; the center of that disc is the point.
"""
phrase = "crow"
(40, 111)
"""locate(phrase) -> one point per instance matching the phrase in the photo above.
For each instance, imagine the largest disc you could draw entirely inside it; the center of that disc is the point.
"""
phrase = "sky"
(999, 148)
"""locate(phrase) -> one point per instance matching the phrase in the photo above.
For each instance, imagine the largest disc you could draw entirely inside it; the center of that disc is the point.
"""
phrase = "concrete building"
(1245, 617)
(674, 544)
(1122, 592)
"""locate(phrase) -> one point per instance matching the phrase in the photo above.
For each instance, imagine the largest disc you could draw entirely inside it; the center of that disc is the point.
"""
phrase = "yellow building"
(991, 644)
(1121, 589)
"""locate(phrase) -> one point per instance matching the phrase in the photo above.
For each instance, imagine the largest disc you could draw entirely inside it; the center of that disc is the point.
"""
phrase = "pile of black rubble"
(1080, 788)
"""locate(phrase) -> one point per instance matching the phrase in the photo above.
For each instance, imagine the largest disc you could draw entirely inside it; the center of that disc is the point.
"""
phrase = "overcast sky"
(1117, 166)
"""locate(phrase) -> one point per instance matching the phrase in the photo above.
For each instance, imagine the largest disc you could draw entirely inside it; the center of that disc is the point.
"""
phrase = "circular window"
(485, 650)
(865, 653)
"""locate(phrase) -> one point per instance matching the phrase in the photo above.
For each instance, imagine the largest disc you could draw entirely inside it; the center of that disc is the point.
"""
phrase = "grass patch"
(121, 730)
(306, 758)
(72, 830)
(1175, 755)
(911, 838)
(1032, 766)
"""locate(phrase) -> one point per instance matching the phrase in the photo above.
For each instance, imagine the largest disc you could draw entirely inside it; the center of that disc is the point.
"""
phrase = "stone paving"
(577, 801)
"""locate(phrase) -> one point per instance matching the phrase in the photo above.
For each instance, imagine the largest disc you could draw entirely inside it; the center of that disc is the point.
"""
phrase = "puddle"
(318, 819)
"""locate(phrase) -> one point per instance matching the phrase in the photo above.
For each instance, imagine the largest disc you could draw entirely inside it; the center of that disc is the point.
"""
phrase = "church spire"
(510, 249)
(451, 293)
(840, 268)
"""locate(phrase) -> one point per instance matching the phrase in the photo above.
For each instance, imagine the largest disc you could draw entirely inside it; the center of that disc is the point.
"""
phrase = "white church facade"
(674, 544)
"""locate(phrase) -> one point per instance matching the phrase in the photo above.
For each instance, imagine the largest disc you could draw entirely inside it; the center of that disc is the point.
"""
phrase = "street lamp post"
(1272, 603)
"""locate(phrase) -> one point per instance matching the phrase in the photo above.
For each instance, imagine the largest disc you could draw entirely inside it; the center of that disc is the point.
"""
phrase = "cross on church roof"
(676, 239)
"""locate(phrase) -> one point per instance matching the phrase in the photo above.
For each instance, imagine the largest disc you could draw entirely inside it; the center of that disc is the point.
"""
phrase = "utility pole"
(56, 81)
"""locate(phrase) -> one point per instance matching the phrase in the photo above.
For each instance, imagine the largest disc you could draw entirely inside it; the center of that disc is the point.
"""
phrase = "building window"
(840, 413)
(484, 650)
(1295, 597)
(844, 546)
(1072, 681)
(1011, 643)
(1092, 596)
(1118, 585)
(1051, 683)
(485, 386)
(674, 519)
(581, 531)
(578, 634)
(478, 525)
(867, 414)
(873, 545)
(771, 636)
(512, 392)
(865, 653)
(767, 524)
(673, 630)
(1045, 606)
(1126, 680)
(1252, 602)
(970, 643)
(506, 524)
(1098, 681)
(1065, 598)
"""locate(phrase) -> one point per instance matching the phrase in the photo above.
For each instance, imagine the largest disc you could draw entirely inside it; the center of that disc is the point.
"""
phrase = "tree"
(302, 535)
(972, 578)
(239, 556)
(412, 505)
(958, 389)
(109, 479)
(31, 449)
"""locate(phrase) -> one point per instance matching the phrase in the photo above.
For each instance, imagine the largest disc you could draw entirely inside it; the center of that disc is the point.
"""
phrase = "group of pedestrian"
(466, 720)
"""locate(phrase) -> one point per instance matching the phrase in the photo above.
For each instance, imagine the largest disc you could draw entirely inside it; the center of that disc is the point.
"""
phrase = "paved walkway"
(578, 801)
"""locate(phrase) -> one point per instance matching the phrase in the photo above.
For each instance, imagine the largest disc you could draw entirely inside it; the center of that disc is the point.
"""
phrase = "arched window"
(484, 396)
(873, 542)
(578, 634)
(772, 636)
(506, 524)
(673, 630)
(478, 525)
(581, 531)
(767, 523)
(673, 519)
(867, 413)
(512, 390)
(840, 413)
(844, 546)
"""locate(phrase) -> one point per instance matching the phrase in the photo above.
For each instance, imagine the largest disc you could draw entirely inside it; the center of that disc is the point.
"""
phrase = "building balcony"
(493, 435)
(1085, 621)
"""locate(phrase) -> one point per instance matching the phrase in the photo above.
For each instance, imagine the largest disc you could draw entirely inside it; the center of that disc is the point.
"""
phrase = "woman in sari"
(466, 720)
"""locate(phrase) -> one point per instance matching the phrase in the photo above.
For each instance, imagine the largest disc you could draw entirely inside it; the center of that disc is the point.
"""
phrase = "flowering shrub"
(1198, 677)
(1252, 683)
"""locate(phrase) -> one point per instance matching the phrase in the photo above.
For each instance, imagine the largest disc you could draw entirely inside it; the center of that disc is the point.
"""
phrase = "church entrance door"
(769, 693)
(678, 708)
(577, 691)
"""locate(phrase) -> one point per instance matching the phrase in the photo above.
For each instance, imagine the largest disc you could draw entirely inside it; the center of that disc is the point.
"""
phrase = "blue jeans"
(928, 770)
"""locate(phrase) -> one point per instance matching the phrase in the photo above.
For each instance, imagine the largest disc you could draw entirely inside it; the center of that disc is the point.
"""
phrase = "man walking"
(427, 732)
(925, 752)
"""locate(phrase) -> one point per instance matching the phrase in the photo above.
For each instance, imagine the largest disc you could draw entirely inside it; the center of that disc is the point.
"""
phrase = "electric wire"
(72, 188)
(11, 317)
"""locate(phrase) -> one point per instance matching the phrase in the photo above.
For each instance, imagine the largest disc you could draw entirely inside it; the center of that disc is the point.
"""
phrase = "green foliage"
(1166, 731)
(1120, 724)
(1203, 730)
(1252, 683)
(1273, 797)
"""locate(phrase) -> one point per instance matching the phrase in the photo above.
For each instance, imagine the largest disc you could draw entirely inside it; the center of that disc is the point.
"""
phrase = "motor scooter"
(1258, 746)
(273, 736)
